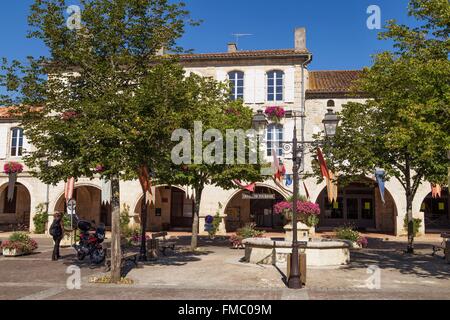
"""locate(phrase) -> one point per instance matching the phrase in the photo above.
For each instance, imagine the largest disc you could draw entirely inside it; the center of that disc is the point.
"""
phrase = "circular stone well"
(319, 253)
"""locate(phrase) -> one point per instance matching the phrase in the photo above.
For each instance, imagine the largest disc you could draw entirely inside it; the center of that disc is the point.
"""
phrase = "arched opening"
(437, 212)
(247, 207)
(170, 210)
(88, 205)
(15, 213)
(359, 205)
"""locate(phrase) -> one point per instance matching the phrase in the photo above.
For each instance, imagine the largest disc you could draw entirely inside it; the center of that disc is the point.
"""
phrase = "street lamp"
(331, 122)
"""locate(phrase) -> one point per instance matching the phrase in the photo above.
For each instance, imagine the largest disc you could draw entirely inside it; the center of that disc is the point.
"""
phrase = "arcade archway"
(88, 205)
(170, 210)
(246, 207)
(437, 212)
(359, 205)
(17, 211)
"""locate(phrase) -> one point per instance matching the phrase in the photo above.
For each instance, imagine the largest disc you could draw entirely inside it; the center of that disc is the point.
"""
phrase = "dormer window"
(16, 142)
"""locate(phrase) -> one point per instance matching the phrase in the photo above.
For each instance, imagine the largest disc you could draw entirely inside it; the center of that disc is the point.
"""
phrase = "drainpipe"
(303, 110)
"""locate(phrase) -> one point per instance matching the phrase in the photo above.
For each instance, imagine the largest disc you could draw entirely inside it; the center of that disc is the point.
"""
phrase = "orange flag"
(68, 188)
(323, 164)
(144, 179)
(436, 191)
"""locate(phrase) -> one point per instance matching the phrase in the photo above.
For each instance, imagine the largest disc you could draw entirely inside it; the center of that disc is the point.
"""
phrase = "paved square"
(217, 273)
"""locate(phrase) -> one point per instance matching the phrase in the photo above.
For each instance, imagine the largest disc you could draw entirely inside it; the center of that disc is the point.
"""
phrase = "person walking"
(57, 232)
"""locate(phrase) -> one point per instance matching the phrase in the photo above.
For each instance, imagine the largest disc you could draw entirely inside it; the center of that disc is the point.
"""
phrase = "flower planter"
(13, 252)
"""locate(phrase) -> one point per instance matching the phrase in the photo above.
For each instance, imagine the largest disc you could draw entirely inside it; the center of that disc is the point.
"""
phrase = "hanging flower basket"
(275, 114)
(12, 169)
(307, 212)
(99, 168)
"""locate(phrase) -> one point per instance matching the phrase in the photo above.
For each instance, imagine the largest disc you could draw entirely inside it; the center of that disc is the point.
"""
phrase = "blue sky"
(336, 30)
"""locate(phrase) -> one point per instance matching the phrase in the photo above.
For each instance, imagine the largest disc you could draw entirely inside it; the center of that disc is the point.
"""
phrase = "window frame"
(234, 95)
(275, 86)
(16, 142)
(277, 131)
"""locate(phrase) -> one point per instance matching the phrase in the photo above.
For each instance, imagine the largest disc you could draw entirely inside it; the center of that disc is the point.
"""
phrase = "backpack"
(55, 228)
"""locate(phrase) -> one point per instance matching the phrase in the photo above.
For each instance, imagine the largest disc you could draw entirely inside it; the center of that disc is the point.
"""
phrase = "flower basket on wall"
(275, 114)
(12, 169)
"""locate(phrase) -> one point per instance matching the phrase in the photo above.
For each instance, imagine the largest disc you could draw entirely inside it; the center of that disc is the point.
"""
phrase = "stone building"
(261, 78)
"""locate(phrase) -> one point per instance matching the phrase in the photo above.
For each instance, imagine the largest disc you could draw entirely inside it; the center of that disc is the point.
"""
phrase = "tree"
(404, 127)
(206, 163)
(90, 109)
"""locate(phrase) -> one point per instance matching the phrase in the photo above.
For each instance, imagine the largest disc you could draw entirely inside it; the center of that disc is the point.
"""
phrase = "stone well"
(319, 253)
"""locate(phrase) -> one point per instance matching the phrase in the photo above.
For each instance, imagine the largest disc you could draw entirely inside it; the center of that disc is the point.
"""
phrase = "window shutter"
(249, 86)
(3, 142)
(289, 85)
(26, 145)
(221, 76)
(260, 86)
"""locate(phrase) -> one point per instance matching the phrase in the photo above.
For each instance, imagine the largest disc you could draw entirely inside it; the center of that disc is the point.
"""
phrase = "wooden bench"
(161, 243)
(126, 256)
(443, 246)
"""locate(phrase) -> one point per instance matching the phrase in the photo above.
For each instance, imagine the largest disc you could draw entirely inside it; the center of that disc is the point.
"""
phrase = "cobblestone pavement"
(217, 273)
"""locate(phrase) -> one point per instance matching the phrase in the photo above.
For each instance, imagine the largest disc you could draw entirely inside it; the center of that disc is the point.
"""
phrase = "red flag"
(323, 164)
(436, 191)
(250, 187)
(68, 188)
(144, 179)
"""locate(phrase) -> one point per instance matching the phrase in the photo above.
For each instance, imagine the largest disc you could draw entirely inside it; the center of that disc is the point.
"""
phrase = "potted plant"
(12, 169)
(246, 232)
(275, 114)
(307, 212)
(349, 234)
(18, 244)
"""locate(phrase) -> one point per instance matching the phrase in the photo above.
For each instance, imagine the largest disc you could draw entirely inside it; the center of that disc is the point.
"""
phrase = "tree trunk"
(409, 201)
(143, 251)
(116, 251)
(196, 220)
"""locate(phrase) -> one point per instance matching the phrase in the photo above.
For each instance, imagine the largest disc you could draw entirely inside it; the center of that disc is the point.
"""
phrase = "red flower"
(275, 113)
(12, 167)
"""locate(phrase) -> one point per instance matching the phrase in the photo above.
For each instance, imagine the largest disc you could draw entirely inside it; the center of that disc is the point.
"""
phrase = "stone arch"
(89, 206)
(170, 209)
(436, 211)
(359, 204)
(239, 211)
(16, 212)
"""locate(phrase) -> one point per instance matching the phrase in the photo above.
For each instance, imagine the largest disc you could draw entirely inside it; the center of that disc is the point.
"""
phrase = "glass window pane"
(240, 83)
(270, 97)
(270, 82)
(279, 82)
(279, 89)
(279, 97)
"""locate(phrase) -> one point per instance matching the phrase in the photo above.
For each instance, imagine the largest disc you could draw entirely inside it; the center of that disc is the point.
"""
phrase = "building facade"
(260, 78)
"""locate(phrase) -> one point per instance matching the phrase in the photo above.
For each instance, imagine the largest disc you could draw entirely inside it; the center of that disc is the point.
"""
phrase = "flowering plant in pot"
(307, 212)
(12, 169)
(19, 243)
(275, 114)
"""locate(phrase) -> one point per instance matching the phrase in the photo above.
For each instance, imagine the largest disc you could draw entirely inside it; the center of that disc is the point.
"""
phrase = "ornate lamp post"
(331, 122)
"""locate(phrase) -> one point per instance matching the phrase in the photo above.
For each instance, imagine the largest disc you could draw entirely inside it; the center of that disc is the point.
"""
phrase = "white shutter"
(221, 76)
(3, 142)
(249, 86)
(260, 86)
(289, 84)
(26, 145)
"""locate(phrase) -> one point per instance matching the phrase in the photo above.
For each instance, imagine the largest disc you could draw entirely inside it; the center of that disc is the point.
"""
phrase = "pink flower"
(12, 167)
(303, 207)
(275, 112)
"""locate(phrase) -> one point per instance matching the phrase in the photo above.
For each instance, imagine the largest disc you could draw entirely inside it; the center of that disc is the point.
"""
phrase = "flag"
(106, 191)
(332, 187)
(144, 179)
(436, 191)
(68, 189)
(250, 187)
(380, 176)
(323, 164)
(288, 180)
(306, 191)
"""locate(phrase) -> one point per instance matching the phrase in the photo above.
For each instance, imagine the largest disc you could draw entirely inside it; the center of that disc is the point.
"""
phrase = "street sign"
(71, 206)
(209, 219)
(209, 223)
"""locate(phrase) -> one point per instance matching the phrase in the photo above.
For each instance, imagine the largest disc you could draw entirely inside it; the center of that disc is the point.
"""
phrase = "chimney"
(300, 39)
(232, 47)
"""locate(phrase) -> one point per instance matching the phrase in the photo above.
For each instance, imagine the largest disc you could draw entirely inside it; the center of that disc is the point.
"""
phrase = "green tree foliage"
(404, 127)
